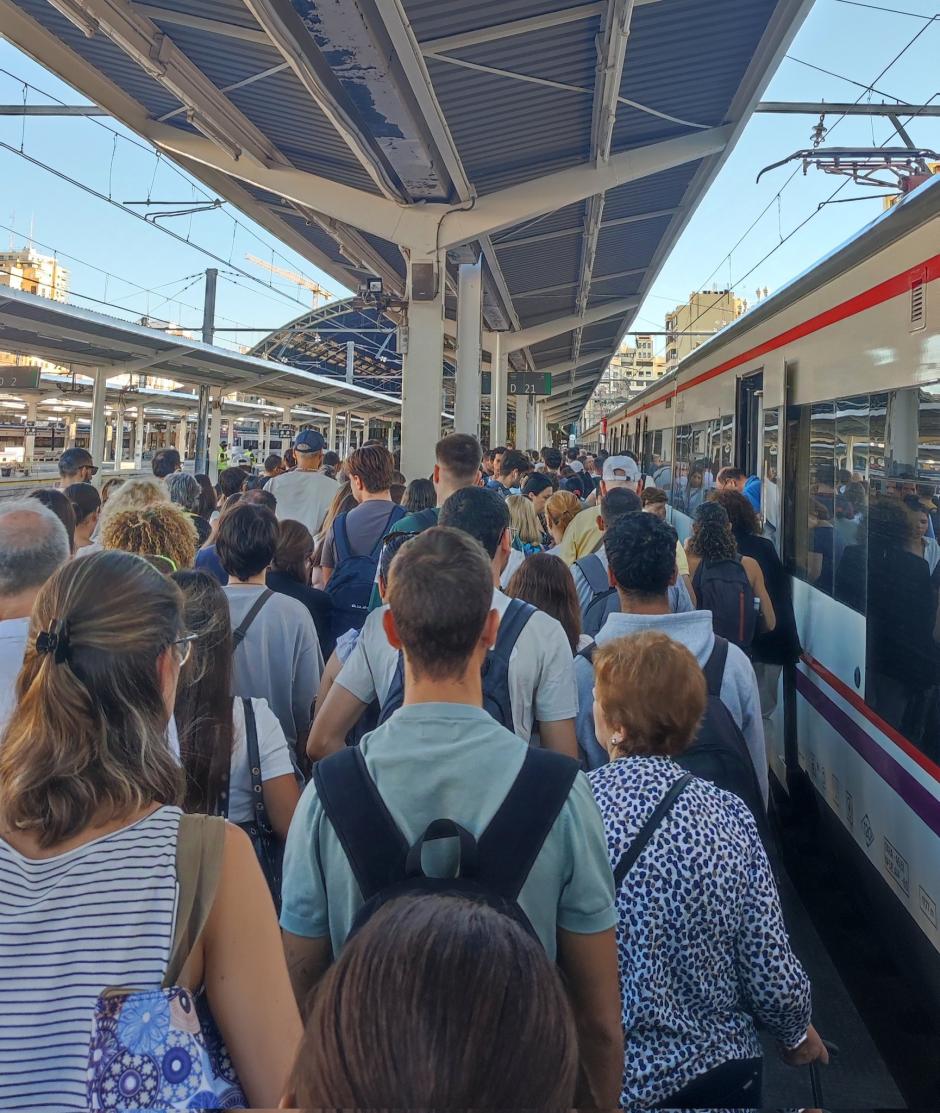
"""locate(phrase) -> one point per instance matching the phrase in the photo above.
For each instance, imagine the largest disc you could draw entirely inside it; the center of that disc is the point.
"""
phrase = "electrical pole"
(208, 334)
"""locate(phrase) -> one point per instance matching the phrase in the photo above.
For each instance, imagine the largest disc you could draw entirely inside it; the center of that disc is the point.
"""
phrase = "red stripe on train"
(928, 271)
(863, 709)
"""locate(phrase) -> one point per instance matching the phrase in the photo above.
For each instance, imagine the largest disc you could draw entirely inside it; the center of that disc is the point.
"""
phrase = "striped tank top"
(98, 916)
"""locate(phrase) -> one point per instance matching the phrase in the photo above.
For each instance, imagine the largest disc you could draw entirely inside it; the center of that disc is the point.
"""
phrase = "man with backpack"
(353, 543)
(529, 680)
(641, 552)
(442, 798)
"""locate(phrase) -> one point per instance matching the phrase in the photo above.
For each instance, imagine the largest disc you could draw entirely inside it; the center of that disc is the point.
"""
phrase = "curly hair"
(163, 530)
(712, 538)
(741, 513)
(135, 494)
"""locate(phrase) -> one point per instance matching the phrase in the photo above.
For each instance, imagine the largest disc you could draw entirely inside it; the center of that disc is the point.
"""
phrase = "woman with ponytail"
(89, 874)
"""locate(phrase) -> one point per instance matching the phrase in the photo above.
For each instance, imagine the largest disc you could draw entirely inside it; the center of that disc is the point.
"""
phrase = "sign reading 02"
(520, 382)
(19, 378)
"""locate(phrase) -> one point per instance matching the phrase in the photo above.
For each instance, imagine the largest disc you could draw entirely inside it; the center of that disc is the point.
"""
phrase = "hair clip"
(55, 640)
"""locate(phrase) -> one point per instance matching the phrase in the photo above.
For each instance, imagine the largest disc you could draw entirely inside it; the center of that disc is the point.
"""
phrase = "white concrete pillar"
(182, 437)
(71, 433)
(499, 387)
(423, 366)
(264, 440)
(391, 436)
(522, 411)
(139, 426)
(331, 435)
(216, 436)
(118, 438)
(29, 439)
(469, 348)
(99, 392)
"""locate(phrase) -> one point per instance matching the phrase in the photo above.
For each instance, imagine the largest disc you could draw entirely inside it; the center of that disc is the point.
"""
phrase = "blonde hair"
(524, 520)
(163, 530)
(652, 689)
(561, 508)
(109, 487)
(88, 734)
(135, 494)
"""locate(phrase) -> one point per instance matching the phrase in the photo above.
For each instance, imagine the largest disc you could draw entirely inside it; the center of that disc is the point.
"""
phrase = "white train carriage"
(830, 392)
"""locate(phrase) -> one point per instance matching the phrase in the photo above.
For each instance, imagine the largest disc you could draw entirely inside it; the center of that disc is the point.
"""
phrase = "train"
(829, 392)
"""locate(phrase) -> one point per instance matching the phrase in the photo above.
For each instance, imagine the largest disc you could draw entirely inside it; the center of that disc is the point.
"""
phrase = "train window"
(656, 458)
(862, 483)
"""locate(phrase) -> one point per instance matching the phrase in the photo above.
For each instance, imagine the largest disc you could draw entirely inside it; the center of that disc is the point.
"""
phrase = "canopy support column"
(331, 442)
(422, 381)
(469, 348)
(139, 438)
(98, 396)
(118, 438)
(215, 438)
(29, 440)
(499, 391)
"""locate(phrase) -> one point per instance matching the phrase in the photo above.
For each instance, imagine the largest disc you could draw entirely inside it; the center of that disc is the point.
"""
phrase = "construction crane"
(316, 290)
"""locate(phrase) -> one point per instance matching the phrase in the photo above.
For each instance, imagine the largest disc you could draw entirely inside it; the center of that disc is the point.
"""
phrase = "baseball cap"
(309, 440)
(72, 459)
(621, 469)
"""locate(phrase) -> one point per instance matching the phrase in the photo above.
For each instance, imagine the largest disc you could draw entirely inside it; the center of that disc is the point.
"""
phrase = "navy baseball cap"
(309, 440)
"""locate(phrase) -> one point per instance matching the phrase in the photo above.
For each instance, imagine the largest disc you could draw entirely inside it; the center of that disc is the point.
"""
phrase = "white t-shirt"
(516, 559)
(303, 496)
(272, 749)
(541, 669)
(13, 633)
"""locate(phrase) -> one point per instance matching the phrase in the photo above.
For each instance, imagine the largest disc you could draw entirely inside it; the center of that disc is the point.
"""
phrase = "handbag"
(161, 1048)
(268, 848)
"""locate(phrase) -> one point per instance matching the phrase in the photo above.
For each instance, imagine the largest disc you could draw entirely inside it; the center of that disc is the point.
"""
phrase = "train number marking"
(867, 831)
(928, 905)
(896, 865)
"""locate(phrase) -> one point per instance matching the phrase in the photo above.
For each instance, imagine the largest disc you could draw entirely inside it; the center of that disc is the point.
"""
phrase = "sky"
(120, 264)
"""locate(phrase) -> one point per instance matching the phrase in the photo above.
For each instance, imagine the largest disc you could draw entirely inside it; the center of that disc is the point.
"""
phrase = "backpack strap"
(648, 829)
(341, 548)
(597, 611)
(714, 669)
(395, 516)
(592, 569)
(511, 625)
(254, 765)
(396, 692)
(511, 843)
(374, 846)
(588, 653)
(239, 635)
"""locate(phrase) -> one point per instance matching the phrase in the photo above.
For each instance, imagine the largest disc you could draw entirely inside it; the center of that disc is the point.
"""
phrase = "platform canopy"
(69, 336)
(564, 144)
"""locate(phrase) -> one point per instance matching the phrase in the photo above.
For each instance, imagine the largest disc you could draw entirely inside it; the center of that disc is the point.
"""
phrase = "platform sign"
(30, 428)
(19, 378)
(282, 432)
(534, 383)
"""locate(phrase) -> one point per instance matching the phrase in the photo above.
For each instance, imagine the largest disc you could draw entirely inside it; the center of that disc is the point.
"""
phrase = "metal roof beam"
(201, 23)
(288, 33)
(210, 111)
(607, 79)
(518, 27)
(562, 286)
(535, 334)
(555, 191)
(559, 233)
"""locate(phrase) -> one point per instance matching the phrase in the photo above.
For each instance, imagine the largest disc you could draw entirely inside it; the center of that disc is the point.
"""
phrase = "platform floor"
(859, 1078)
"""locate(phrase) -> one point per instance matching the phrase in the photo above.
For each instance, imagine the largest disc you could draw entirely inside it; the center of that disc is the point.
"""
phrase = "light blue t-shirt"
(450, 761)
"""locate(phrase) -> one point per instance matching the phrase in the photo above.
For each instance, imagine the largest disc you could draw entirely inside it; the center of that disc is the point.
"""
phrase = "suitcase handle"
(819, 1100)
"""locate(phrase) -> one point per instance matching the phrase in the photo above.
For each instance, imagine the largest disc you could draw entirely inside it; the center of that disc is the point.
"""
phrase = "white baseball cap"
(621, 469)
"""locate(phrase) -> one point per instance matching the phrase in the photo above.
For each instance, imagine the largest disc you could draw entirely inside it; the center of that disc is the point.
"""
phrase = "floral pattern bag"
(160, 1048)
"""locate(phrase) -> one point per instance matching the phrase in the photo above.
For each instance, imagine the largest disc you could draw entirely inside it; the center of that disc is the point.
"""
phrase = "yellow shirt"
(583, 537)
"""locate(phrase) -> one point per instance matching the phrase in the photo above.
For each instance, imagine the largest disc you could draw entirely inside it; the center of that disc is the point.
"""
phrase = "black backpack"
(496, 697)
(493, 868)
(722, 587)
(719, 753)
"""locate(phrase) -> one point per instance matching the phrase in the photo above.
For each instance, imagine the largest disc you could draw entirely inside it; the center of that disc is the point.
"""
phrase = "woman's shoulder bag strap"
(648, 829)
(199, 849)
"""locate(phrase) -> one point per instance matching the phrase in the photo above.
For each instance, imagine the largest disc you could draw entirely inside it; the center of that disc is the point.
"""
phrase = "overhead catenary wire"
(866, 89)
(158, 157)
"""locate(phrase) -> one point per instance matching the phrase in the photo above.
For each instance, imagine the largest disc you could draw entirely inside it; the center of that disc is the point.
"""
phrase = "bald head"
(33, 545)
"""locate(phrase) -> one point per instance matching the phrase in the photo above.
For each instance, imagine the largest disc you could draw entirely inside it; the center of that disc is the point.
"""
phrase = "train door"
(750, 421)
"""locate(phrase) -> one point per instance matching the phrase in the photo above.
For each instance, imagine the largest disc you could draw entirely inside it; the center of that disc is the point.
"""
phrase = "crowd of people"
(323, 789)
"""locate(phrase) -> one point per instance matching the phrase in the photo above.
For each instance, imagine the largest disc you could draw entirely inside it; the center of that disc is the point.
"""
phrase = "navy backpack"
(496, 700)
(350, 586)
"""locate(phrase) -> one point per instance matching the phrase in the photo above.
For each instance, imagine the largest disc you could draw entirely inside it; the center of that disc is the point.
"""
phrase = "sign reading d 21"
(520, 382)
(18, 378)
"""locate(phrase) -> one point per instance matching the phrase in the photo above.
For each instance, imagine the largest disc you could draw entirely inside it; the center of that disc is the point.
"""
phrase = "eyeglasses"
(184, 647)
(90, 467)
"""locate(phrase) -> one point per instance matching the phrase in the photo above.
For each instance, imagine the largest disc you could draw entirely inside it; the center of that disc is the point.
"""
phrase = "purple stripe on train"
(918, 798)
